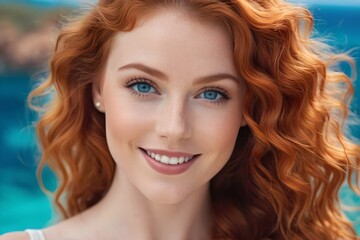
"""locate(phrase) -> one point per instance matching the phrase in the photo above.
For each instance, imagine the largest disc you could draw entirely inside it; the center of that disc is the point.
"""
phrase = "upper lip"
(169, 153)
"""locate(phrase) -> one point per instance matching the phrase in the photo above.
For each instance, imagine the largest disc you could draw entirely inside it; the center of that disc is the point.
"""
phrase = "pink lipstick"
(168, 163)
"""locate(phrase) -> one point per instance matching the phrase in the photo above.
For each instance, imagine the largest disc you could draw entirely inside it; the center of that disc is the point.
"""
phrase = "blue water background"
(23, 205)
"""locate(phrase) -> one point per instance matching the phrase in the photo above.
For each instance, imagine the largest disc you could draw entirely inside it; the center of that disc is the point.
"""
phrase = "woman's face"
(172, 103)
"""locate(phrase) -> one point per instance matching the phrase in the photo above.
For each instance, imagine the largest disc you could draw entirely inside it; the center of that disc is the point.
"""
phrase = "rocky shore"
(27, 36)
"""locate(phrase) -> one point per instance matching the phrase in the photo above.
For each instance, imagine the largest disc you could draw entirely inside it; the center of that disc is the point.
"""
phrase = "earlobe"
(243, 122)
(97, 105)
(97, 96)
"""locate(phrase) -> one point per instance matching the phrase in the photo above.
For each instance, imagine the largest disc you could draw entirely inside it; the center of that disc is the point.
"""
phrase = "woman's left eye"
(213, 95)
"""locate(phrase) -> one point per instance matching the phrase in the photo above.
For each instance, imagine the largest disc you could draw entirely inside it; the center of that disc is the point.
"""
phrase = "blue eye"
(211, 95)
(143, 88)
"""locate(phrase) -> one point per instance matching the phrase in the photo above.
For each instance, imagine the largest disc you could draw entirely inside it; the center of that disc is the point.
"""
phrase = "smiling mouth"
(169, 160)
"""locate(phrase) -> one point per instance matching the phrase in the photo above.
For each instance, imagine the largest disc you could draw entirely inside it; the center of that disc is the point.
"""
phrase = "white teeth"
(168, 160)
(165, 159)
(174, 160)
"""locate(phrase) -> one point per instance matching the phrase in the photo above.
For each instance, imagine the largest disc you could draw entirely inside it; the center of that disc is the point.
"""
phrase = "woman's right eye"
(143, 88)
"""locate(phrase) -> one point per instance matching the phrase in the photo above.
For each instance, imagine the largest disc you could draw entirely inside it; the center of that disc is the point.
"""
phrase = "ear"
(97, 96)
(243, 121)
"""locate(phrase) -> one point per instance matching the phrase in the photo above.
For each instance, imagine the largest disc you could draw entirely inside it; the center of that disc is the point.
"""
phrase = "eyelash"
(223, 93)
(136, 80)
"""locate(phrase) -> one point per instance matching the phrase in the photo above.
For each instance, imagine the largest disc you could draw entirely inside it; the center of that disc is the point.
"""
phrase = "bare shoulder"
(15, 236)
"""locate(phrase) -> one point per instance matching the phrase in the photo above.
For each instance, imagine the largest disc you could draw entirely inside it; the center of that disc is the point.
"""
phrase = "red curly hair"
(283, 178)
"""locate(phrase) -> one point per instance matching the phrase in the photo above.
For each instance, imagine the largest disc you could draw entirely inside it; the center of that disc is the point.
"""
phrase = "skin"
(177, 114)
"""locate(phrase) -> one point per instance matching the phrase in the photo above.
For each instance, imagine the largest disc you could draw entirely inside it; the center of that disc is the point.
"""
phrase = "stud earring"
(97, 105)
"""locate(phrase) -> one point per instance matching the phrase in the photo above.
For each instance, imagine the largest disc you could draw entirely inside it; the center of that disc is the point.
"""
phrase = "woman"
(196, 120)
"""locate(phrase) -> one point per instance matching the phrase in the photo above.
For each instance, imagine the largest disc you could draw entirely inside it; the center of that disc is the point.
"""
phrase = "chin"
(170, 195)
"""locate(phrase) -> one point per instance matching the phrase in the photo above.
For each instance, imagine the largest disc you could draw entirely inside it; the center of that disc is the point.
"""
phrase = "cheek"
(218, 133)
(125, 122)
(219, 129)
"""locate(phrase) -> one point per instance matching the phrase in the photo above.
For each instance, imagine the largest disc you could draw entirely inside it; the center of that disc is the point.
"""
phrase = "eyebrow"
(158, 74)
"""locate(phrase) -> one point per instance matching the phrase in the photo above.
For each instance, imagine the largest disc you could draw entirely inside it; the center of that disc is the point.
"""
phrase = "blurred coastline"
(27, 35)
(27, 38)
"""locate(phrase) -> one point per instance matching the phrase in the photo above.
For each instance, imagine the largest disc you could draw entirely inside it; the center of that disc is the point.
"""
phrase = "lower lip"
(167, 169)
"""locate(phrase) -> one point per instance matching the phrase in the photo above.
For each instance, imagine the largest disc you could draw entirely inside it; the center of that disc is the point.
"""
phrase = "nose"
(173, 121)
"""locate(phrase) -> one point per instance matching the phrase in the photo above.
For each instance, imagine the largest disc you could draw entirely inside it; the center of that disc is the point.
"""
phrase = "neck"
(125, 212)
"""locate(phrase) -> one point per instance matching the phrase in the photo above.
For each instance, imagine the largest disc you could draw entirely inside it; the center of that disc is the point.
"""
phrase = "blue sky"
(329, 2)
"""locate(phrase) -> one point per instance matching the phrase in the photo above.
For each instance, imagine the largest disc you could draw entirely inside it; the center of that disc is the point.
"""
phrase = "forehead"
(171, 37)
